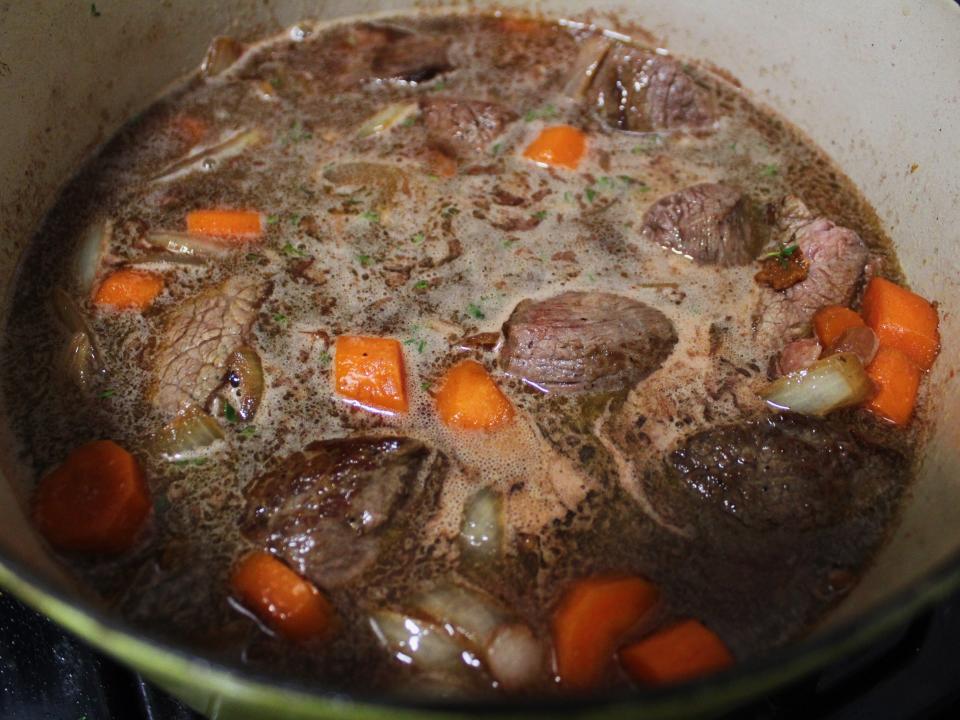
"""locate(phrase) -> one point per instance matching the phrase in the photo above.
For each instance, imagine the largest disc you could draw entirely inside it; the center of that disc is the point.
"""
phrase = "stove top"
(46, 674)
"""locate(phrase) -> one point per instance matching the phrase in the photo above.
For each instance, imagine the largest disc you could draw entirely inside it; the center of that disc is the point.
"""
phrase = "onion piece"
(481, 534)
(387, 118)
(861, 341)
(79, 361)
(830, 383)
(592, 52)
(515, 656)
(223, 52)
(191, 431)
(416, 642)
(245, 380)
(166, 258)
(93, 246)
(462, 611)
(206, 157)
(181, 243)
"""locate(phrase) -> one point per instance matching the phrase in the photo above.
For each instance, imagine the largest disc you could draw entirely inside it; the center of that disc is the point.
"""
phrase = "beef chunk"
(706, 222)
(463, 128)
(784, 470)
(579, 341)
(639, 90)
(837, 258)
(411, 57)
(198, 336)
(322, 509)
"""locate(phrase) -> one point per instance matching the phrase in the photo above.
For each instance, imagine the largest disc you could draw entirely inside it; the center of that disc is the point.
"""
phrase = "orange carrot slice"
(559, 146)
(902, 320)
(96, 501)
(288, 604)
(469, 399)
(897, 380)
(225, 223)
(591, 621)
(830, 322)
(371, 372)
(680, 652)
(129, 289)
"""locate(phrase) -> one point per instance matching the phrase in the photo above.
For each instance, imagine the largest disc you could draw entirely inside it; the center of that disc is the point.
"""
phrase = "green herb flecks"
(474, 311)
(782, 254)
(770, 170)
(418, 238)
(248, 431)
(324, 358)
(364, 260)
(421, 285)
(539, 215)
(94, 11)
(280, 318)
(296, 134)
(547, 112)
(273, 219)
(108, 393)
(591, 194)
(292, 251)
(495, 150)
(230, 413)
(370, 216)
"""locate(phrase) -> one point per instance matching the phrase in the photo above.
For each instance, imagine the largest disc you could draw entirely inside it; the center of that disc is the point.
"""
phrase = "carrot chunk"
(288, 604)
(96, 501)
(682, 651)
(370, 371)
(129, 289)
(225, 223)
(902, 320)
(469, 399)
(830, 322)
(897, 380)
(560, 145)
(592, 619)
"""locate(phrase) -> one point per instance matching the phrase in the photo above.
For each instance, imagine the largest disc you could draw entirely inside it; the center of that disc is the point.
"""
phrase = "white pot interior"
(874, 83)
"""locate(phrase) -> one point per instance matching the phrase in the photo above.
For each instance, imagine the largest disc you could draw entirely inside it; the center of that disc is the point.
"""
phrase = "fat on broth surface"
(583, 478)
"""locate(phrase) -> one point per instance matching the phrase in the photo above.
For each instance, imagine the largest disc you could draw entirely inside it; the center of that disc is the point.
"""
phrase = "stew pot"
(876, 84)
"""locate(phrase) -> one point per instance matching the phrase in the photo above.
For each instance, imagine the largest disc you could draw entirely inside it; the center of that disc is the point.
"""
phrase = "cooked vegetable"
(594, 616)
(683, 651)
(80, 362)
(245, 378)
(861, 341)
(223, 52)
(515, 656)
(191, 431)
(559, 146)
(225, 223)
(591, 54)
(469, 613)
(897, 380)
(418, 642)
(387, 118)
(181, 243)
(468, 399)
(93, 246)
(96, 501)
(129, 289)
(829, 384)
(380, 180)
(69, 312)
(482, 531)
(288, 604)
(207, 157)
(830, 322)
(902, 320)
(370, 371)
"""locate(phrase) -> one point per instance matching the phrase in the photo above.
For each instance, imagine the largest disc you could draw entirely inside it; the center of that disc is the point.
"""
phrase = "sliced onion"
(482, 532)
(80, 362)
(93, 246)
(206, 157)
(187, 434)
(416, 642)
(462, 611)
(223, 52)
(181, 243)
(861, 341)
(515, 656)
(830, 383)
(391, 116)
(592, 52)
(74, 320)
(166, 258)
(245, 380)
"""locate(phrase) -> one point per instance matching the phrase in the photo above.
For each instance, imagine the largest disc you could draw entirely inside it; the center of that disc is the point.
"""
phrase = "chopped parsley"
(292, 251)
(591, 194)
(94, 11)
(568, 197)
(605, 181)
(253, 257)
(417, 238)
(187, 461)
(647, 146)
(769, 170)
(230, 413)
(273, 219)
(508, 243)
(296, 133)
(280, 318)
(248, 431)
(495, 150)
(108, 393)
(371, 216)
(295, 218)
(324, 357)
(424, 385)
(539, 215)
(420, 285)
(782, 254)
(420, 343)
(475, 312)
(364, 260)
(544, 113)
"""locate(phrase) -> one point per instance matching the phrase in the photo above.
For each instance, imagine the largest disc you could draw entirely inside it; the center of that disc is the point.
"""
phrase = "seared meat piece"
(837, 258)
(706, 222)
(579, 341)
(637, 89)
(785, 471)
(463, 127)
(198, 337)
(412, 57)
(321, 508)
